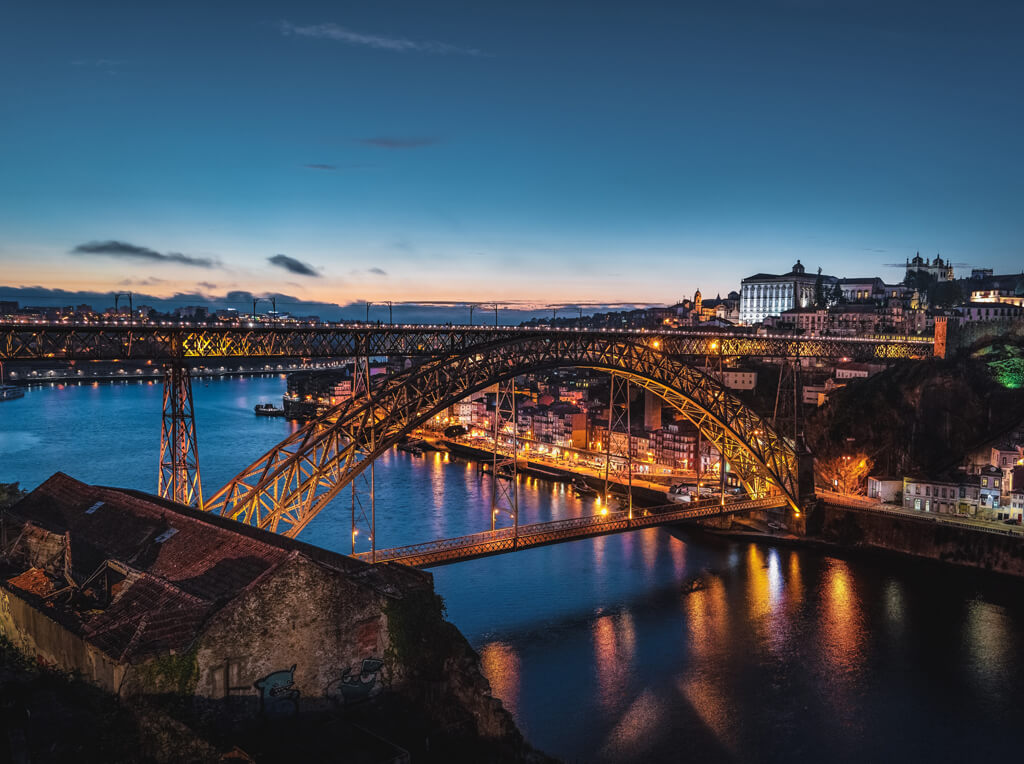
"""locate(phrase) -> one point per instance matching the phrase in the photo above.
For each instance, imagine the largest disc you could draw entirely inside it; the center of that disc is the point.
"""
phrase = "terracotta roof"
(149, 571)
(105, 523)
(34, 581)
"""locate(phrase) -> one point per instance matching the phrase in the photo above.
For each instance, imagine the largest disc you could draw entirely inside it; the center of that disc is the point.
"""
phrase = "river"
(656, 645)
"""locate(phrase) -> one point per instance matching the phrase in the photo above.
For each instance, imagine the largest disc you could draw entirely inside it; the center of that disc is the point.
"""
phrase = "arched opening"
(296, 479)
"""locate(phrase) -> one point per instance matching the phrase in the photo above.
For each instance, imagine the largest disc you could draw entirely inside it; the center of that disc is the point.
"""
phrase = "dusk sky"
(548, 151)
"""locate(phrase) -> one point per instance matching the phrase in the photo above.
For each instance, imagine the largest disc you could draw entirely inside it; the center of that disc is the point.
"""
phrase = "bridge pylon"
(505, 467)
(179, 454)
(364, 486)
(619, 422)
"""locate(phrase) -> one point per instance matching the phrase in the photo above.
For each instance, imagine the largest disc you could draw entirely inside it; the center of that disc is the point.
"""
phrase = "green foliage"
(1005, 362)
(924, 415)
(919, 280)
(819, 292)
(10, 494)
(944, 294)
(419, 635)
(836, 295)
(171, 674)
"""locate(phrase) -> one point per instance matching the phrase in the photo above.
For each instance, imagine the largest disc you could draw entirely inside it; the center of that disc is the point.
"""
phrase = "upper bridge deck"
(144, 341)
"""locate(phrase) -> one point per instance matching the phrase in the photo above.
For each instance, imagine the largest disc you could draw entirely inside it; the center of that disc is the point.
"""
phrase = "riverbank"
(832, 528)
(35, 378)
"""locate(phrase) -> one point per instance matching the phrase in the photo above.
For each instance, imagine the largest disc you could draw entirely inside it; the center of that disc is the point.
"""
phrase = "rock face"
(922, 416)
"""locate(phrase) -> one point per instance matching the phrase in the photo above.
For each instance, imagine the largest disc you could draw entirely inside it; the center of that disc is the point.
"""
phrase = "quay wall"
(917, 537)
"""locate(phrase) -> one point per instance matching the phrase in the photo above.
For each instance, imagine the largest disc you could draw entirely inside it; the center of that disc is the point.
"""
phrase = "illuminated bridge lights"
(20, 341)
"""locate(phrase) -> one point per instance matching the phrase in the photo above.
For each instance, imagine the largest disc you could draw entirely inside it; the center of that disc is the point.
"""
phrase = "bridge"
(120, 341)
(488, 543)
(296, 479)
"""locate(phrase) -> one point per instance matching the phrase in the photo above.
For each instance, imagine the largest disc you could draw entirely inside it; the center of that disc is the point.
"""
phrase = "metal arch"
(296, 479)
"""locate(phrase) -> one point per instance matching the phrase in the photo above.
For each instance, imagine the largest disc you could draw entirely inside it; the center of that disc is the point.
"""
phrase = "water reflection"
(633, 732)
(614, 645)
(842, 624)
(500, 665)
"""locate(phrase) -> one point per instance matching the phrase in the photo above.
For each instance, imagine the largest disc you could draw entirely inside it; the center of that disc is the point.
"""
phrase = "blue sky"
(571, 151)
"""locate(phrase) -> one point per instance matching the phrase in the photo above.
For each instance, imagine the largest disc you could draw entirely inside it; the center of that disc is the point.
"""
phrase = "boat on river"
(10, 392)
(267, 409)
(581, 488)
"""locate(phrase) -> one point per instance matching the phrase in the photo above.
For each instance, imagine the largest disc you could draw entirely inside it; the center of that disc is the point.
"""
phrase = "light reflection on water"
(653, 645)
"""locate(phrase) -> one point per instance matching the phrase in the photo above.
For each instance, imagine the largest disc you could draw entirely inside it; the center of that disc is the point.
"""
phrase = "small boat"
(580, 486)
(267, 409)
(10, 392)
(414, 447)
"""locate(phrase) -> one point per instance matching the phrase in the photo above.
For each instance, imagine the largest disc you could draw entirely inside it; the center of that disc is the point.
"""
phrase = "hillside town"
(563, 417)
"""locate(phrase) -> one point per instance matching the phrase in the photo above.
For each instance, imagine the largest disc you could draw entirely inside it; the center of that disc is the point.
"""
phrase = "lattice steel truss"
(296, 479)
(618, 458)
(505, 462)
(179, 453)
(64, 342)
(364, 487)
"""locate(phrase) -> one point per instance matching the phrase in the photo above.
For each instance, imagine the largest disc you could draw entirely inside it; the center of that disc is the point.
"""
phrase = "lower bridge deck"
(504, 540)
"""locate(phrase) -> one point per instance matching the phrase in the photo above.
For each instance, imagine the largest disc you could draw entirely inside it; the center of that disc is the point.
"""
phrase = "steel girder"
(296, 479)
(179, 453)
(109, 343)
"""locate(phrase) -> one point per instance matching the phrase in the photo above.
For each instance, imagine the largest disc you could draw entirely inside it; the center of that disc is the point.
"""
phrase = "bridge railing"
(530, 534)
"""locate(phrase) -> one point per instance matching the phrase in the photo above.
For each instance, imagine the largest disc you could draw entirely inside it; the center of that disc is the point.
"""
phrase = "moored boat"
(267, 409)
(10, 392)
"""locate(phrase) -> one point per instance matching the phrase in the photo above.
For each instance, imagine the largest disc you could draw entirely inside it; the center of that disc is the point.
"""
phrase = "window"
(917, 504)
(984, 482)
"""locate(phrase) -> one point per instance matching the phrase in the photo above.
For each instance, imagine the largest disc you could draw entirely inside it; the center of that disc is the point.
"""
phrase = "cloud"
(377, 271)
(113, 248)
(387, 142)
(207, 285)
(328, 167)
(148, 281)
(342, 34)
(293, 265)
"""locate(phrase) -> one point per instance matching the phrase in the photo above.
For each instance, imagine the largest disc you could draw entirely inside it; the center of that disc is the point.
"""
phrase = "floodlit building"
(765, 294)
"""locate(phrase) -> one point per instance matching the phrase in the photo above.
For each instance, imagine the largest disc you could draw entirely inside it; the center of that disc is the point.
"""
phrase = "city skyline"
(337, 154)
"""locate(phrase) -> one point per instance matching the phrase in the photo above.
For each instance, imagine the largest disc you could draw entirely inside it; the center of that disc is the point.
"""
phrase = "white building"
(884, 489)
(765, 294)
(734, 379)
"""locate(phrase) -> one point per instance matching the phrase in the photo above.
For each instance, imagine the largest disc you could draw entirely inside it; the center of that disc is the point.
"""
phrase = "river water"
(656, 645)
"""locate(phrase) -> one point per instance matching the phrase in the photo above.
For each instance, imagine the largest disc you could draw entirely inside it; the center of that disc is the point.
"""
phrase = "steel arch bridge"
(286, 488)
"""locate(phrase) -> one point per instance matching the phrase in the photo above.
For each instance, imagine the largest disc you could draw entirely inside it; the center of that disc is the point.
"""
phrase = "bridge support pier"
(179, 455)
(505, 495)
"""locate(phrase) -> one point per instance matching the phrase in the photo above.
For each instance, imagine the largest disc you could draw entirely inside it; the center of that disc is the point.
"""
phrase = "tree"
(10, 494)
(944, 294)
(819, 291)
(845, 473)
(836, 296)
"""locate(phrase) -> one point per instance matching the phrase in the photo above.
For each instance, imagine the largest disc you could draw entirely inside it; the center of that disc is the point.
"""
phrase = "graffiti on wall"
(278, 696)
(354, 686)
